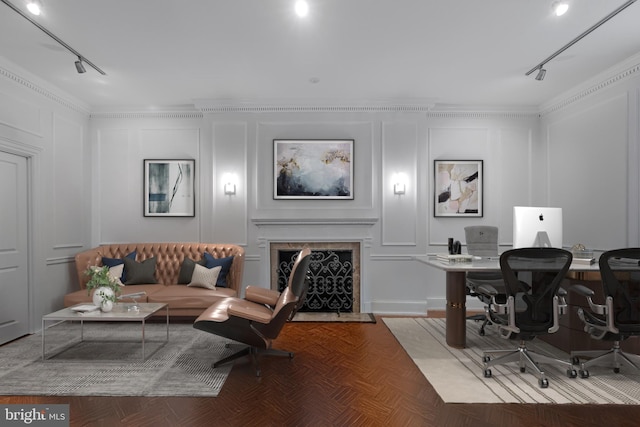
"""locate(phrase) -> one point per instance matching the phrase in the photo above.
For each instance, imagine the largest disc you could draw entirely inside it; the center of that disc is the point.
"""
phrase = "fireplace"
(334, 274)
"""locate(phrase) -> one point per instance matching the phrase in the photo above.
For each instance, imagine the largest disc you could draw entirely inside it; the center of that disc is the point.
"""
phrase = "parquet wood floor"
(343, 374)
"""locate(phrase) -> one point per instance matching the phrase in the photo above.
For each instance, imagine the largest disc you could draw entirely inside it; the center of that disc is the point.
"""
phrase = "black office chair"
(530, 310)
(619, 317)
(482, 241)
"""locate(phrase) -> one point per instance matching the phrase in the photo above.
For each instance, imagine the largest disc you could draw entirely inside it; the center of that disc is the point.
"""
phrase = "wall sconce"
(399, 188)
(399, 183)
(229, 188)
(229, 180)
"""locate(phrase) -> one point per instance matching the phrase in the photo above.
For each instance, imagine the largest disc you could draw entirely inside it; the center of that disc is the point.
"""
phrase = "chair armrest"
(562, 292)
(582, 290)
(487, 290)
(588, 293)
(261, 295)
(253, 312)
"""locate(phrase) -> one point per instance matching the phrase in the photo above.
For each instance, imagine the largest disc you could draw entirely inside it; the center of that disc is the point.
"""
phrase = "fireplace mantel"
(314, 221)
(318, 231)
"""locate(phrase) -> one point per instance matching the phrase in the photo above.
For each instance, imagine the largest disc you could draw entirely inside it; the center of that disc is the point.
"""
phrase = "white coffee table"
(121, 313)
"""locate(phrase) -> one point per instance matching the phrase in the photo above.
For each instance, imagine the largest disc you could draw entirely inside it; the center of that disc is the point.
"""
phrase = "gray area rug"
(109, 362)
(457, 374)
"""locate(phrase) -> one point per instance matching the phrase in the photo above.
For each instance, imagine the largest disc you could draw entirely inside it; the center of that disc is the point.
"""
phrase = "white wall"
(391, 228)
(591, 144)
(579, 153)
(50, 130)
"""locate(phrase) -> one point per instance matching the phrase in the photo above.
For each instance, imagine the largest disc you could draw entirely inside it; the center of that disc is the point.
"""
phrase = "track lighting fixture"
(80, 68)
(542, 71)
(81, 58)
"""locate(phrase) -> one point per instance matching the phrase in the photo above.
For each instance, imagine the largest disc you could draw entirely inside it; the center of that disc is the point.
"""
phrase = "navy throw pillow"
(112, 262)
(225, 263)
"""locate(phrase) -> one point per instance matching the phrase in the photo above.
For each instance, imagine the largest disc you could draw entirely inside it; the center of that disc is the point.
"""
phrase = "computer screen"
(537, 227)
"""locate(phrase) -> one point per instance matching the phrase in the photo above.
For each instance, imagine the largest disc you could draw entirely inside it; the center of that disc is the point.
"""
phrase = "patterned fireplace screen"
(331, 273)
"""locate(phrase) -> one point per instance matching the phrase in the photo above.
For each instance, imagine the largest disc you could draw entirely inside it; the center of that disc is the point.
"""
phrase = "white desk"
(456, 311)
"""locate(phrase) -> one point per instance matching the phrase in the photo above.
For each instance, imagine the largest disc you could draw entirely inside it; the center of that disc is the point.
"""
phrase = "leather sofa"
(183, 300)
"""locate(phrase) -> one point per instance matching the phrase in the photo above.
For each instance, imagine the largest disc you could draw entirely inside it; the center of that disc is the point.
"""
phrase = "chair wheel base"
(584, 373)
(543, 383)
(572, 373)
(487, 373)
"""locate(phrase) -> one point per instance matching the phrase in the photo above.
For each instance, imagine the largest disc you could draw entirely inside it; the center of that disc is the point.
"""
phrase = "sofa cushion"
(225, 263)
(112, 262)
(186, 269)
(180, 296)
(83, 297)
(204, 277)
(140, 272)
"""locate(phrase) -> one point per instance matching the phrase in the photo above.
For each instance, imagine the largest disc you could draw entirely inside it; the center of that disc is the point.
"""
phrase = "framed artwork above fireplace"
(313, 169)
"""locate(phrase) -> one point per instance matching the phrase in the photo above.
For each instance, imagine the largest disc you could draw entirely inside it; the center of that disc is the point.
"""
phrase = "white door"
(14, 292)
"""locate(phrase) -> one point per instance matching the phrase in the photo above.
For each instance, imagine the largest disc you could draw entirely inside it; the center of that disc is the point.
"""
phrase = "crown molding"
(169, 114)
(314, 106)
(483, 112)
(618, 74)
(31, 83)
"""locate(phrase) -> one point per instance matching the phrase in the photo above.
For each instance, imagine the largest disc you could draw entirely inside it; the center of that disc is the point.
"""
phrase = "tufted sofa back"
(169, 257)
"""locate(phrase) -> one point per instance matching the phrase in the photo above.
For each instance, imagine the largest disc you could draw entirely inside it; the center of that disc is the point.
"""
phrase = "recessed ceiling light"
(560, 7)
(34, 7)
(302, 8)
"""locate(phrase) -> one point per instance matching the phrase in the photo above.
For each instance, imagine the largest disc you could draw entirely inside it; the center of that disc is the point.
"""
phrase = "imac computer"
(537, 227)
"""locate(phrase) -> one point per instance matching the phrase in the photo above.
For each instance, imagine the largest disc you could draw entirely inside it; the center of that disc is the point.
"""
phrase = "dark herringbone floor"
(343, 374)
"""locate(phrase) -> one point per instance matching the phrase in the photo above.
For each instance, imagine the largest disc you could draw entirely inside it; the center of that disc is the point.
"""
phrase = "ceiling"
(168, 53)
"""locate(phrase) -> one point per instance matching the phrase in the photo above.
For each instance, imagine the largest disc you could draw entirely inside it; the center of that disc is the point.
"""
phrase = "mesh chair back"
(542, 269)
(620, 272)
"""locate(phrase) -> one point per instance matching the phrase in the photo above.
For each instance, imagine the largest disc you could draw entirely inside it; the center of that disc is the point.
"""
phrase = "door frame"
(32, 155)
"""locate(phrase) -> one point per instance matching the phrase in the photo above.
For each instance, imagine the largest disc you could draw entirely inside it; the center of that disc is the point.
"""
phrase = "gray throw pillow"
(186, 270)
(138, 273)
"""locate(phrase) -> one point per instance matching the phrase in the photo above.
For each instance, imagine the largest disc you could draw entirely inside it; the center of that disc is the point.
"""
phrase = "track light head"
(541, 73)
(80, 68)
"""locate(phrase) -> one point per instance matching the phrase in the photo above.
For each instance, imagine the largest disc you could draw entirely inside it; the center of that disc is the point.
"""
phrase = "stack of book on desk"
(582, 255)
(583, 261)
(451, 259)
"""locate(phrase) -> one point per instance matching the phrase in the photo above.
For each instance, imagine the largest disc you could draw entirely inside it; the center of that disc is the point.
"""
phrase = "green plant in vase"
(105, 287)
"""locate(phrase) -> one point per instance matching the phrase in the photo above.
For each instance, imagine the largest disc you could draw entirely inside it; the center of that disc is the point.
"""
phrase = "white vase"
(99, 298)
(106, 306)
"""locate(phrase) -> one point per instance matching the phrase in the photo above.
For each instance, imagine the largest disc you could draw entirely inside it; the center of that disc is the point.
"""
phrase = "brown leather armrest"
(250, 311)
(261, 295)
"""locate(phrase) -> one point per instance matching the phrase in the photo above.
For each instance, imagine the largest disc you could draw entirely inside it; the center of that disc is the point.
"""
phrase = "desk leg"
(456, 309)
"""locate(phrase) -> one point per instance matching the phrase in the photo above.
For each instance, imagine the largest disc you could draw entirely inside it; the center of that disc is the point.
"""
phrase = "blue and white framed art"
(169, 188)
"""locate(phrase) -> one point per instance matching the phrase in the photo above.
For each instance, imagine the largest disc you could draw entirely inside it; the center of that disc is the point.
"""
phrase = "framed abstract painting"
(169, 188)
(313, 169)
(458, 188)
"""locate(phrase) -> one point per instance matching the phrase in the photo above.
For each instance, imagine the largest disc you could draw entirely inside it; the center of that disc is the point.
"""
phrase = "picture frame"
(169, 188)
(458, 188)
(313, 169)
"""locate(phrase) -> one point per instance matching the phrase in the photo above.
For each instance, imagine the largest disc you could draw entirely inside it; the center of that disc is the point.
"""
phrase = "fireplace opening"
(334, 278)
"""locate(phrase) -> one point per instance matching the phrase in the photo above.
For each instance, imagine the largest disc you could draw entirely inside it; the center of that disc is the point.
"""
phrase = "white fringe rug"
(457, 374)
